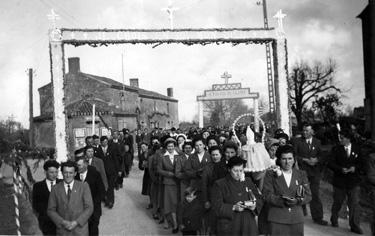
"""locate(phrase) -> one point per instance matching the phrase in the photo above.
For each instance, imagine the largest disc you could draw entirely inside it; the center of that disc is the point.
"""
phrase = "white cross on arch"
(226, 76)
(53, 17)
(170, 10)
(280, 17)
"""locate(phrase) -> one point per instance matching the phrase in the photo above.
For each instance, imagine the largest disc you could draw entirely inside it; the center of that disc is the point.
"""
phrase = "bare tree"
(223, 112)
(308, 81)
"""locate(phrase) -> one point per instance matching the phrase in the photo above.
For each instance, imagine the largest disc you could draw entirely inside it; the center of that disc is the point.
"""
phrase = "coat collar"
(174, 153)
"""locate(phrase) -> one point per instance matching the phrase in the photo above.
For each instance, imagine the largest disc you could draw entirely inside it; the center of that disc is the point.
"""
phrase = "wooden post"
(57, 76)
(31, 110)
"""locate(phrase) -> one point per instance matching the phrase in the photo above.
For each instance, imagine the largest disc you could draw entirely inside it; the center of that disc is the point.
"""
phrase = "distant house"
(117, 106)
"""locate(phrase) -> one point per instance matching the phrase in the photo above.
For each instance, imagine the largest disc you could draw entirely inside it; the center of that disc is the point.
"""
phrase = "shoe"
(155, 216)
(321, 222)
(110, 206)
(356, 230)
(175, 231)
(161, 221)
(334, 224)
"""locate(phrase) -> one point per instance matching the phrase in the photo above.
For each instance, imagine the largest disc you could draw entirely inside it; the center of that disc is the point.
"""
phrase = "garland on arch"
(156, 43)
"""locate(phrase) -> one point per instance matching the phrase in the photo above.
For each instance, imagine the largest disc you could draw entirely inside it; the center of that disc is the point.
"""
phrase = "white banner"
(227, 94)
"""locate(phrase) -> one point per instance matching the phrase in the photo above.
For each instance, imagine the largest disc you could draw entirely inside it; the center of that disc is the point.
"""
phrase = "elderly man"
(70, 203)
(309, 157)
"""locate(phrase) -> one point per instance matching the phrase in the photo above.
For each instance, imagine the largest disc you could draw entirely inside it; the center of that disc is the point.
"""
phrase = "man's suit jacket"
(167, 169)
(339, 160)
(79, 208)
(302, 150)
(40, 205)
(99, 166)
(194, 169)
(96, 187)
(275, 186)
(110, 159)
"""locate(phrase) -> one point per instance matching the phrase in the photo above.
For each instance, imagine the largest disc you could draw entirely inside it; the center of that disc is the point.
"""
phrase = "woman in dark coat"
(236, 201)
(167, 169)
(285, 191)
(143, 165)
(208, 180)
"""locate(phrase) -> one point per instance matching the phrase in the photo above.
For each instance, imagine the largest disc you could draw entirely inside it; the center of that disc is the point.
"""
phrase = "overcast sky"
(316, 30)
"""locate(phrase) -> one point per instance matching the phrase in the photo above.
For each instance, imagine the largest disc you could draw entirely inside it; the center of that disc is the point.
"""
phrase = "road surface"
(130, 216)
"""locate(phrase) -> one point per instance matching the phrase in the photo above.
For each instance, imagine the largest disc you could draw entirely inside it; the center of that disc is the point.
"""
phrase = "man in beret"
(41, 192)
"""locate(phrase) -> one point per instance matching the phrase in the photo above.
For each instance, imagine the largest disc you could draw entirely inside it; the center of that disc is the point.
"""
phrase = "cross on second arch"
(226, 76)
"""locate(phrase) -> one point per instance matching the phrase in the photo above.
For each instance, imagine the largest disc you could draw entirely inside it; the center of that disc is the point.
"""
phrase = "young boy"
(191, 213)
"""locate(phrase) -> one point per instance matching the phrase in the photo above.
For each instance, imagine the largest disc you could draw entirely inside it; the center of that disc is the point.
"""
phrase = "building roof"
(117, 85)
(85, 107)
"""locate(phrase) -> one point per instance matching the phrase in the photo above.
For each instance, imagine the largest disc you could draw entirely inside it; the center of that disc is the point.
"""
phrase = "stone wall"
(159, 113)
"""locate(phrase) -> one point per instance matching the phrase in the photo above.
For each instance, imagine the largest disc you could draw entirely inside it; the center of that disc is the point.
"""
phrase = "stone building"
(117, 106)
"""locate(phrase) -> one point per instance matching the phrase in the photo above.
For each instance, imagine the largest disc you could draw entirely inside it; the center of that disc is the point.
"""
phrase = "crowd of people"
(206, 181)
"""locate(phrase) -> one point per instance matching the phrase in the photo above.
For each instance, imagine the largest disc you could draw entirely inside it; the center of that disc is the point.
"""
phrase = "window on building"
(121, 124)
(167, 107)
(154, 105)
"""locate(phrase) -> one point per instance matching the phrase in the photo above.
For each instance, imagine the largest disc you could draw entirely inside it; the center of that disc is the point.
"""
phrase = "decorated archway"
(227, 91)
(58, 38)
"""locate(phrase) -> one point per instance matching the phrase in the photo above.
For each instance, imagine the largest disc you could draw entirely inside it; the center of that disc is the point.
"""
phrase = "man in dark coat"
(118, 151)
(91, 176)
(346, 163)
(97, 163)
(307, 150)
(110, 157)
(41, 192)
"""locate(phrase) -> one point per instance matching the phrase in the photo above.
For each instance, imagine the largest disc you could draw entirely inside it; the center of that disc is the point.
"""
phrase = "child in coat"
(191, 213)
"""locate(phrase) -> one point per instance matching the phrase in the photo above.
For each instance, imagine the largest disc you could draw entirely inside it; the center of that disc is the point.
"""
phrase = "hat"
(169, 140)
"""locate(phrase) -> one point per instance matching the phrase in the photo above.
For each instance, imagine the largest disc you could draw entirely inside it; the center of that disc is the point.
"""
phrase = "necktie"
(347, 152)
(69, 192)
(51, 183)
(309, 144)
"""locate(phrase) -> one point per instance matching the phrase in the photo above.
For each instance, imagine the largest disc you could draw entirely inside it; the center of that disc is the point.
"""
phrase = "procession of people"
(204, 181)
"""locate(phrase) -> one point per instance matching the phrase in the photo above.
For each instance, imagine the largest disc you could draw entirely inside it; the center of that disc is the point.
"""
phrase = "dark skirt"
(170, 199)
(146, 183)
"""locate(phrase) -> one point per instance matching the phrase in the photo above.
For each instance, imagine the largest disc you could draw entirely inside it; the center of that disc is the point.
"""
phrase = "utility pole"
(271, 90)
(31, 110)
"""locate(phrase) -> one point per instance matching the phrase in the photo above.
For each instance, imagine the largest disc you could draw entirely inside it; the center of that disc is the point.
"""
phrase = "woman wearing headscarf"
(236, 201)
(166, 168)
(285, 190)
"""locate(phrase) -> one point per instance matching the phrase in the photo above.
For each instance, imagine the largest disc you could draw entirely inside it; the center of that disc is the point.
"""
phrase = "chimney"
(74, 67)
(134, 82)
(170, 92)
